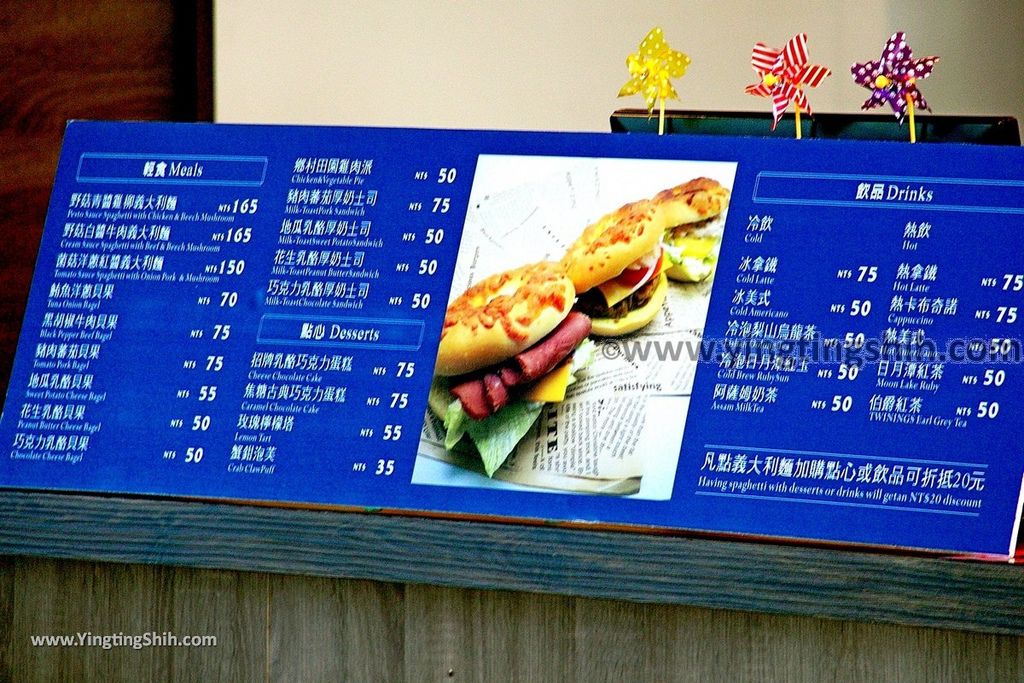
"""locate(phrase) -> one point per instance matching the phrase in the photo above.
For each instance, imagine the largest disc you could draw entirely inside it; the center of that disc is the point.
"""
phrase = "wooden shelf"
(736, 575)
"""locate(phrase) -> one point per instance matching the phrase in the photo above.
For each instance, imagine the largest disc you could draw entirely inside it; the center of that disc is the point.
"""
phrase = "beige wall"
(557, 64)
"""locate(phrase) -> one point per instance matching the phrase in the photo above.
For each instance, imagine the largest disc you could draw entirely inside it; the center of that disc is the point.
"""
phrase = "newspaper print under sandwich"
(619, 427)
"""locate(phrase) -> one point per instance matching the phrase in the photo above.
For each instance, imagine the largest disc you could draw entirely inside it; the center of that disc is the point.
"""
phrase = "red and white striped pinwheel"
(784, 75)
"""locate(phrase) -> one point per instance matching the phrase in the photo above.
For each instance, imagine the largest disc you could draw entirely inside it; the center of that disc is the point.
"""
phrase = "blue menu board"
(255, 313)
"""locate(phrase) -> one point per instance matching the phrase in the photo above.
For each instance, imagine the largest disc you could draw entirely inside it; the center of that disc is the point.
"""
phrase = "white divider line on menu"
(837, 502)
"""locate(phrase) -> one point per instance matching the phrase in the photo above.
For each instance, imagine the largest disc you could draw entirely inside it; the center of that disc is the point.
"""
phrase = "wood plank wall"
(293, 628)
(138, 59)
(92, 59)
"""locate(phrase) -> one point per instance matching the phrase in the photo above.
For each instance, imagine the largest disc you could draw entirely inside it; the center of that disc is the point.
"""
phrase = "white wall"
(558, 64)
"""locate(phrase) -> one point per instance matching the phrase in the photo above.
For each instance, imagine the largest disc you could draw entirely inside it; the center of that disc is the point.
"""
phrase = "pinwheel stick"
(910, 111)
(797, 112)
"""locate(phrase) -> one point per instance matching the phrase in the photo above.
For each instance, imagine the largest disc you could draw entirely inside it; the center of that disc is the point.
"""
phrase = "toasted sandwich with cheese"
(616, 266)
(693, 216)
(510, 344)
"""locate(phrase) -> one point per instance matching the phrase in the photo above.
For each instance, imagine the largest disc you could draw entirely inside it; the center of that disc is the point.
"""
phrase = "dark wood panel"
(6, 616)
(670, 643)
(922, 655)
(232, 606)
(440, 635)
(25, 177)
(635, 567)
(87, 59)
(86, 600)
(534, 631)
(476, 635)
(90, 59)
(283, 628)
(192, 66)
(613, 641)
(334, 630)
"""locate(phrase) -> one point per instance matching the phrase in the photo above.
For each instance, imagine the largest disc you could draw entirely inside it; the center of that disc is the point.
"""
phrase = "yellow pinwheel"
(650, 70)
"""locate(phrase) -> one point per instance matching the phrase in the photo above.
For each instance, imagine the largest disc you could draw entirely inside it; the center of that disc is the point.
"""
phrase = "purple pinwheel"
(893, 78)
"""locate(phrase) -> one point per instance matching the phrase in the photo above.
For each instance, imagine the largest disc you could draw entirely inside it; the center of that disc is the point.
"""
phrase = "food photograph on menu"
(574, 323)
